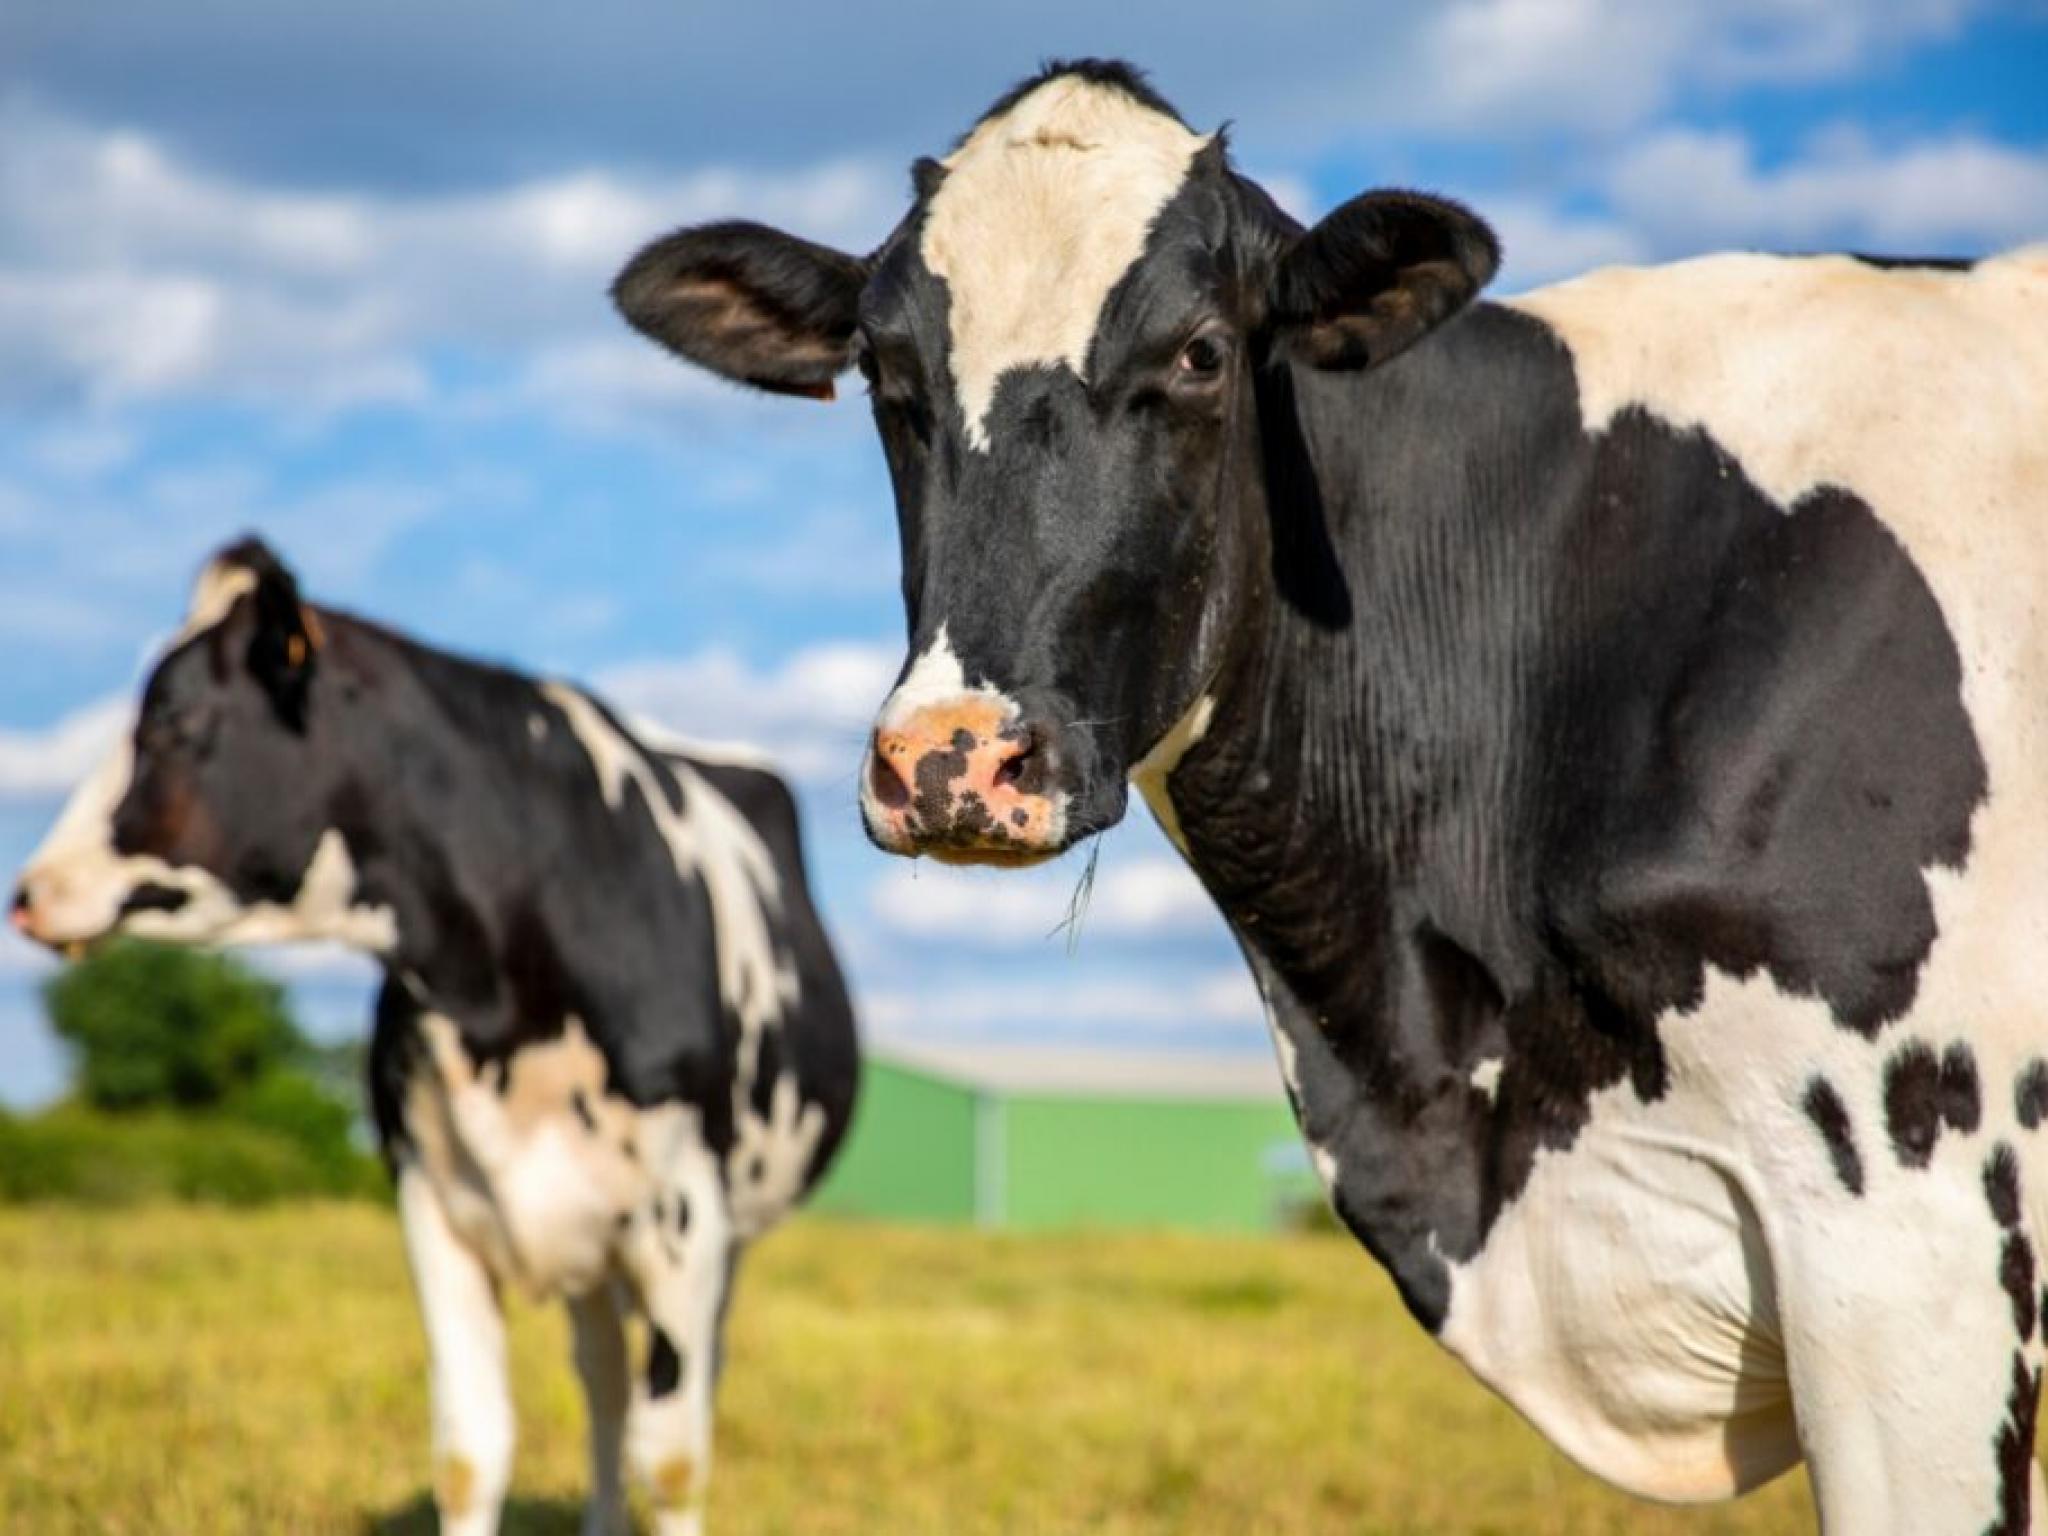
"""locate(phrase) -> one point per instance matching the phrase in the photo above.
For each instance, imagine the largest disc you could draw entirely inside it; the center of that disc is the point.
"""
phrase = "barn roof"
(1229, 1076)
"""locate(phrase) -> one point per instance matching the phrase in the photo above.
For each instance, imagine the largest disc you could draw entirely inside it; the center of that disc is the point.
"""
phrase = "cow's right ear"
(749, 303)
(285, 645)
(1376, 276)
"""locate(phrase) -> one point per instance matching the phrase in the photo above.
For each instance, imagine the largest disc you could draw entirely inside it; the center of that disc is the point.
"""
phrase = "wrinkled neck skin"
(1350, 801)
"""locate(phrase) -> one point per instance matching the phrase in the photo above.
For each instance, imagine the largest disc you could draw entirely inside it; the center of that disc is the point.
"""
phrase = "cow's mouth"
(996, 858)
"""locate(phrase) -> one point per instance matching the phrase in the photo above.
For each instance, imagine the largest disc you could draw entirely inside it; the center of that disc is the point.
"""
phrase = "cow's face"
(207, 823)
(1066, 344)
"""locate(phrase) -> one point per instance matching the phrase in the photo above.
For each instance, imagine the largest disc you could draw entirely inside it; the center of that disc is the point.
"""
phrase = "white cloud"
(84, 450)
(45, 764)
(21, 960)
(92, 569)
(811, 712)
(1481, 66)
(313, 965)
(1149, 897)
(837, 549)
(1688, 190)
(1683, 191)
(1296, 197)
(597, 382)
(33, 1065)
(127, 274)
(1207, 1003)
(1540, 244)
(1543, 63)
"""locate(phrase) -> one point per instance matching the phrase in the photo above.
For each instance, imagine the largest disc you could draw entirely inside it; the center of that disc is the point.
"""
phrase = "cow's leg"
(600, 1351)
(683, 1267)
(472, 1402)
(1912, 1345)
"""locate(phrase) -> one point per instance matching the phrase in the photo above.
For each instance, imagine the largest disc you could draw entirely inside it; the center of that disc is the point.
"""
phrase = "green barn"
(1011, 1137)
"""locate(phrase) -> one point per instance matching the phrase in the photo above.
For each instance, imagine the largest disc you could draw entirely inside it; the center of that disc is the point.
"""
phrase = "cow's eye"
(1203, 357)
(169, 728)
(157, 733)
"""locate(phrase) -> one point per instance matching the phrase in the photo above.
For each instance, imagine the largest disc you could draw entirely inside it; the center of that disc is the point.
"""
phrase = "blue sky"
(336, 272)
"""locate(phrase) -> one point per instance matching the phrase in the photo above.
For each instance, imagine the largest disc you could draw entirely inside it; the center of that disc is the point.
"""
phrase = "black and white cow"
(612, 1046)
(1614, 722)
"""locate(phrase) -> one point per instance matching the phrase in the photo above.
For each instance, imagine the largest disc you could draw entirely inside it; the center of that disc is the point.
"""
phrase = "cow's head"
(1066, 343)
(209, 821)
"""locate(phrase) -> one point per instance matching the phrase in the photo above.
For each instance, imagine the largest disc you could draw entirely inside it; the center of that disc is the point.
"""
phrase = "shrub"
(74, 1153)
(190, 1083)
(154, 1024)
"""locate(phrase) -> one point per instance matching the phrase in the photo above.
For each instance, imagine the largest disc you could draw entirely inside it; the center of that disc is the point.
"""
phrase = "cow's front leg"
(682, 1263)
(600, 1351)
(1911, 1315)
(472, 1403)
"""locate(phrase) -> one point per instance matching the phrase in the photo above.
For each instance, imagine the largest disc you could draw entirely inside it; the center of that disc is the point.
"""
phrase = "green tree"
(154, 1024)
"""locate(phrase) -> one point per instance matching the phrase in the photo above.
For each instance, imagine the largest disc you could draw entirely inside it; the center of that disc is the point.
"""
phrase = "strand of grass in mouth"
(1077, 904)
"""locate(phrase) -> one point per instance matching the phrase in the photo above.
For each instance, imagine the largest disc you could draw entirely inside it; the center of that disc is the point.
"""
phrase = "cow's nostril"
(884, 782)
(1026, 763)
(17, 914)
(1011, 768)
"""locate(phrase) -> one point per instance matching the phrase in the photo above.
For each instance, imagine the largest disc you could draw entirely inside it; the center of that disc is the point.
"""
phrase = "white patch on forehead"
(1043, 210)
(937, 677)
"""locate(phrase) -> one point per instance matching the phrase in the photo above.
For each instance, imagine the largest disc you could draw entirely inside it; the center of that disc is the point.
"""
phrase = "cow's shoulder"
(1811, 369)
(1832, 383)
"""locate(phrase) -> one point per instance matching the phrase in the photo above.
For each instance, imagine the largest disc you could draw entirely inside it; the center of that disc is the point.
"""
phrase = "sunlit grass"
(198, 1371)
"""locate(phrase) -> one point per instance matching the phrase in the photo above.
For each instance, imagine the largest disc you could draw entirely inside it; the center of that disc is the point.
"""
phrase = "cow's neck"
(446, 813)
(1354, 805)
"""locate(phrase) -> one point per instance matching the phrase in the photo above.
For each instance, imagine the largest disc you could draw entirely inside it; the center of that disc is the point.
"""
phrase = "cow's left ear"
(750, 303)
(284, 648)
(1376, 276)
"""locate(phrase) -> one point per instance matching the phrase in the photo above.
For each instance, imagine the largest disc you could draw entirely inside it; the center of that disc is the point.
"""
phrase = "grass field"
(197, 1371)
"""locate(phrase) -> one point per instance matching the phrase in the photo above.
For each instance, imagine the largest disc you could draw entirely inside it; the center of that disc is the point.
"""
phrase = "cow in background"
(612, 1045)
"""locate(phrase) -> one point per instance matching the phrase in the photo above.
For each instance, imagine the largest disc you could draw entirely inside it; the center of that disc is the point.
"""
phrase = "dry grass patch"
(199, 1371)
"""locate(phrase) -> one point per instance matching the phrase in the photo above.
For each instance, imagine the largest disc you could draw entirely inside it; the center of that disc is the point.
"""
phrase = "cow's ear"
(750, 303)
(285, 645)
(1376, 276)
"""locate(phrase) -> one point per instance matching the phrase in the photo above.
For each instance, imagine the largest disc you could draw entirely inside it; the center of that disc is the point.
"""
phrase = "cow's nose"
(21, 915)
(960, 782)
(906, 762)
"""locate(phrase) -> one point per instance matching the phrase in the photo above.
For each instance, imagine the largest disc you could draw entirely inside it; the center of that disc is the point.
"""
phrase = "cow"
(612, 1045)
(1614, 723)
